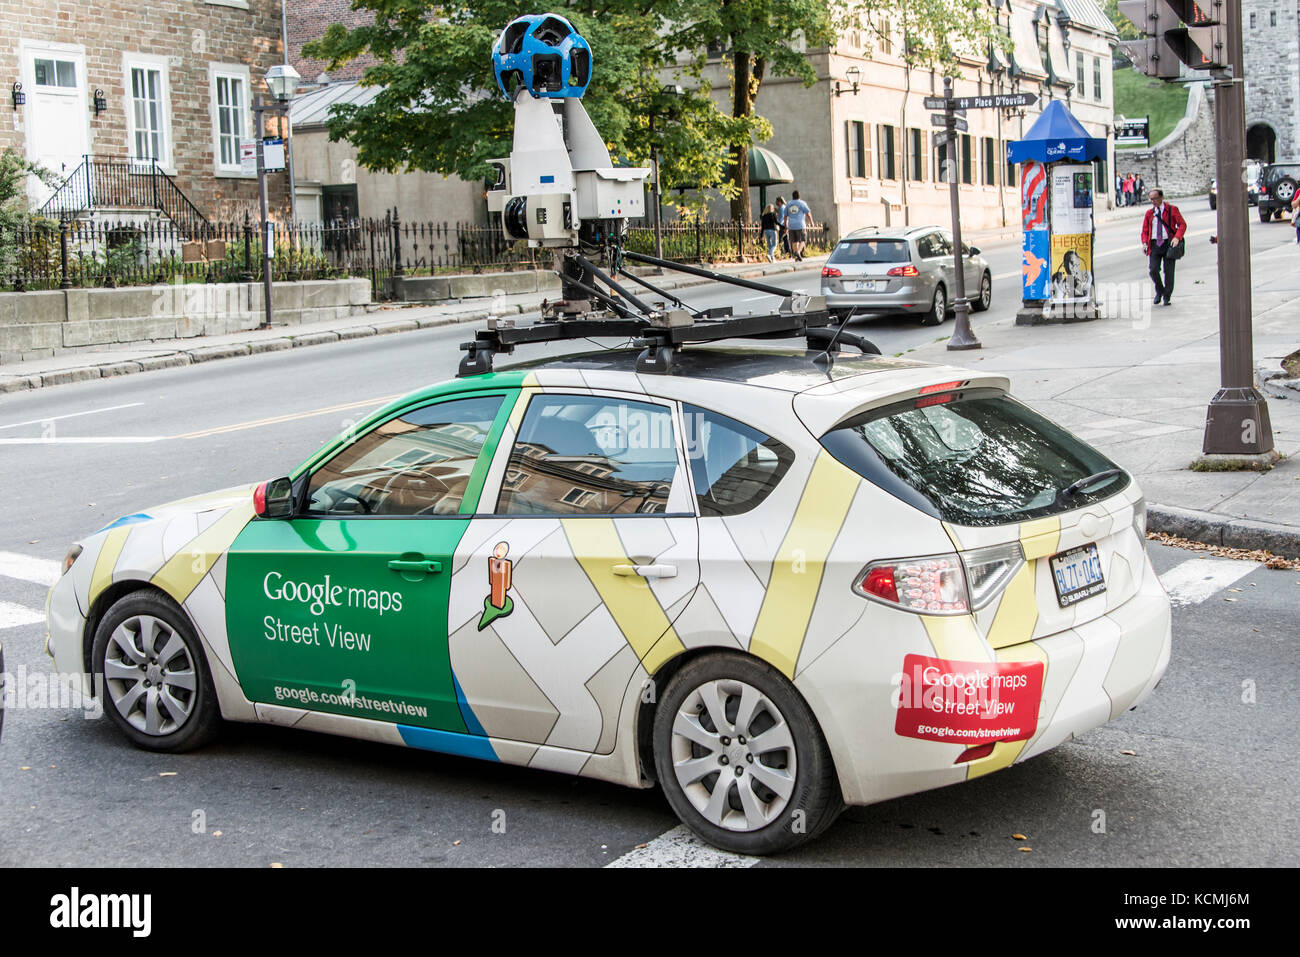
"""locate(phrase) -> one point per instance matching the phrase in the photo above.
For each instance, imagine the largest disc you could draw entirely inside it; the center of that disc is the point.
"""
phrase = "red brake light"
(830, 271)
(259, 498)
(880, 582)
(924, 401)
(908, 270)
(941, 386)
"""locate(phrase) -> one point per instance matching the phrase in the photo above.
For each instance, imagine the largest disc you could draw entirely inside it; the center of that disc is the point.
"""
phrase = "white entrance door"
(56, 114)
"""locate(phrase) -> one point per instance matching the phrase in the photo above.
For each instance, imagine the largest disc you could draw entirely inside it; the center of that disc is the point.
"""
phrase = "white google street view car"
(774, 587)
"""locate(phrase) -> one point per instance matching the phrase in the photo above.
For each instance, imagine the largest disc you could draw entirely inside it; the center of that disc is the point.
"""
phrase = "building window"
(945, 169)
(886, 44)
(967, 164)
(859, 158)
(1272, 18)
(1080, 74)
(889, 147)
(916, 154)
(990, 165)
(1096, 78)
(229, 114)
(148, 133)
(1009, 179)
(56, 73)
(1101, 177)
(1252, 21)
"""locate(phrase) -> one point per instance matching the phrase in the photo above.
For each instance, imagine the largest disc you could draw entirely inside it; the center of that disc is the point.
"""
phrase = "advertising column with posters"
(1056, 160)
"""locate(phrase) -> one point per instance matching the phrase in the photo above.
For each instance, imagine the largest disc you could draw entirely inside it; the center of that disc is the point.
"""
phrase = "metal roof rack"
(658, 330)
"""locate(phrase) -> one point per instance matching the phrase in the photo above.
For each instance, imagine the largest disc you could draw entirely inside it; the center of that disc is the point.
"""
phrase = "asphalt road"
(1212, 779)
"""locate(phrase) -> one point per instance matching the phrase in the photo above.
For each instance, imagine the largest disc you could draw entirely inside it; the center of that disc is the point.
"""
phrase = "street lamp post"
(962, 337)
(282, 81)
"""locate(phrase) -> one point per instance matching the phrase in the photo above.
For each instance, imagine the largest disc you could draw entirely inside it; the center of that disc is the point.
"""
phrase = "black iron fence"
(76, 253)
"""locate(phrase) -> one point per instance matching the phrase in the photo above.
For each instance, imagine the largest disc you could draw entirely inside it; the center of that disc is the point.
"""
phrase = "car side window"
(942, 244)
(590, 455)
(928, 246)
(418, 463)
(735, 467)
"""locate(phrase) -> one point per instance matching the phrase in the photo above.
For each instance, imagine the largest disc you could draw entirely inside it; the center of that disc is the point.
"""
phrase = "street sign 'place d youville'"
(992, 101)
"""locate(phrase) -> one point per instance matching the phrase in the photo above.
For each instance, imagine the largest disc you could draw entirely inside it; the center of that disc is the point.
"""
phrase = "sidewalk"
(1138, 390)
(382, 319)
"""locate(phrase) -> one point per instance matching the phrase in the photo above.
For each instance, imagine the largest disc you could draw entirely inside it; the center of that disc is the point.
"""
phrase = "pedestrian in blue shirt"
(797, 217)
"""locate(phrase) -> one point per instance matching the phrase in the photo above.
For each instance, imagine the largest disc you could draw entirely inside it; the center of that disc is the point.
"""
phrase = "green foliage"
(14, 207)
(936, 34)
(1123, 25)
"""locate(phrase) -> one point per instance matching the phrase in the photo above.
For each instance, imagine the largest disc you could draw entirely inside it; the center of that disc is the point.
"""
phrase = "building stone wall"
(1271, 46)
(185, 36)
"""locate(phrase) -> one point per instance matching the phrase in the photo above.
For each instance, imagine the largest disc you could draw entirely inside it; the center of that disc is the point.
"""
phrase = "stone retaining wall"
(1181, 164)
(474, 286)
(36, 325)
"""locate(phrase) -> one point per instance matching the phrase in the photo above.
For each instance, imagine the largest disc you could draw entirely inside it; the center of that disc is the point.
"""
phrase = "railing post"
(374, 268)
(65, 282)
(89, 198)
(699, 240)
(247, 275)
(398, 270)
(740, 243)
(153, 178)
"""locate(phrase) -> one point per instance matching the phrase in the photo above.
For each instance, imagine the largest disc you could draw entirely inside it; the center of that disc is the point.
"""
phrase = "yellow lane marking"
(637, 612)
(797, 569)
(109, 553)
(274, 420)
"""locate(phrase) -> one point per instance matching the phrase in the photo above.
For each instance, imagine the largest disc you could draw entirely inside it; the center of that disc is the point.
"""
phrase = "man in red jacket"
(1163, 229)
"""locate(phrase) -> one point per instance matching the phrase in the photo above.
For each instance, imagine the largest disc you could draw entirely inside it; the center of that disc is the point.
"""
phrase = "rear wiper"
(1083, 483)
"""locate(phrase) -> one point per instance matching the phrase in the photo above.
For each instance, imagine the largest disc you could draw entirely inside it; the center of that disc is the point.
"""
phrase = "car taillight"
(942, 584)
(829, 272)
(908, 270)
(932, 585)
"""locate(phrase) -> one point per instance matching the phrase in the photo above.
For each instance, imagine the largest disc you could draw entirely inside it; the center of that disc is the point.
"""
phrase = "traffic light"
(1177, 32)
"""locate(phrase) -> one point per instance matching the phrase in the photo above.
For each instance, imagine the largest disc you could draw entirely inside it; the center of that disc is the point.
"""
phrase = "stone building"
(867, 156)
(1270, 34)
(135, 83)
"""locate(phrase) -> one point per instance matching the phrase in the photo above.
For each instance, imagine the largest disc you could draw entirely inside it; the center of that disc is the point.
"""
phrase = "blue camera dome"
(543, 54)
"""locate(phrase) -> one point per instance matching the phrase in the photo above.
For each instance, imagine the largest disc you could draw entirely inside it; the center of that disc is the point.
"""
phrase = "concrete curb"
(110, 367)
(1272, 379)
(1211, 528)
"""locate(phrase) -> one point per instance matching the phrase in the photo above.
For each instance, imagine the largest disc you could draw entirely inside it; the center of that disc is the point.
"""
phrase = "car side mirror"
(972, 251)
(274, 499)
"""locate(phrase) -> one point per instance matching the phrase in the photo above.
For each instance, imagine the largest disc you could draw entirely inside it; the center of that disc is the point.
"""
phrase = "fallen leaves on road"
(1129, 753)
(166, 774)
(1266, 558)
(1018, 837)
(1026, 849)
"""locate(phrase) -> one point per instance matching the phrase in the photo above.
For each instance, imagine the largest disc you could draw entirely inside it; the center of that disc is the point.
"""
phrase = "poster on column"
(1071, 245)
(1033, 221)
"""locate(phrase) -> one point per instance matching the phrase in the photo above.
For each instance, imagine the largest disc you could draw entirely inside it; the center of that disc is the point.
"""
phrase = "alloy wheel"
(733, 755)
(150, 675)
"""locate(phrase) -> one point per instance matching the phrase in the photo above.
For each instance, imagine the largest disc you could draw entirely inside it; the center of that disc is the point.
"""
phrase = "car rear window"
(861, 251)
(1277, 172)
(975, 457)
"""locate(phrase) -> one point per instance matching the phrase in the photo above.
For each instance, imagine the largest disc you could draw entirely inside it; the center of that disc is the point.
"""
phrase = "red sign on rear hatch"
(968, 702)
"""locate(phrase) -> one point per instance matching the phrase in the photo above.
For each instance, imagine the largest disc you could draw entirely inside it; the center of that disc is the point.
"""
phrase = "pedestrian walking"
(1139, 187)
(1295, 214)
(1128, 190)
(782, 235)
(770, 226)
(1163, 228)
(798, 217)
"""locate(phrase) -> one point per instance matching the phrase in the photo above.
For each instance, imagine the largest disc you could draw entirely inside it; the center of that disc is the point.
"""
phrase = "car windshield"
(975, 457)
(860, 251)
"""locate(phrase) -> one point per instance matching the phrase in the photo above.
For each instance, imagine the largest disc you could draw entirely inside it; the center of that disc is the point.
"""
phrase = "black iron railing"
(104, 182)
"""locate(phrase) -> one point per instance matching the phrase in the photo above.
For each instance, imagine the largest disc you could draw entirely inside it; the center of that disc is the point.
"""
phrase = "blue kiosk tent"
(1056, 196)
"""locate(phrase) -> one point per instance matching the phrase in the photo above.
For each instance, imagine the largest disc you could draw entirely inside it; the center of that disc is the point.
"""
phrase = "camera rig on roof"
(559, 190)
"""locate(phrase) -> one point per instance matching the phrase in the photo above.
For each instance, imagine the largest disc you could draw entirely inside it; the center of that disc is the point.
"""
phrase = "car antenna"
(825, 357)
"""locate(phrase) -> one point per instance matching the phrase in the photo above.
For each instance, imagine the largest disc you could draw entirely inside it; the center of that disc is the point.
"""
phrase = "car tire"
(938, 307)
(985, 299)
(744, 812)
(1283, 190)
(149, 667)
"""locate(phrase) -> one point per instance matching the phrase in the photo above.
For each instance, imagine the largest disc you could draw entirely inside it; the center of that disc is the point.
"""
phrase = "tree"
(15, 169)
(439, 108)
(1123, 25)
(760, 38)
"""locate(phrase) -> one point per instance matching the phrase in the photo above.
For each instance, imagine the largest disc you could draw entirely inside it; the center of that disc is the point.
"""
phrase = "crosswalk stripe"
(11, 615)
(1198, 578)
(42, 571)
(681, 848)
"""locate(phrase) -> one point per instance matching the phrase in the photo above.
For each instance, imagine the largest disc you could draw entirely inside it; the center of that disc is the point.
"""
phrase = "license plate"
(1077, 574)
(873, 285)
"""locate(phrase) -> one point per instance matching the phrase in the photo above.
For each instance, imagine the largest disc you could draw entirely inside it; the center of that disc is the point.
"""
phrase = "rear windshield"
(853, 251)
(979, 458)
(1274, 173)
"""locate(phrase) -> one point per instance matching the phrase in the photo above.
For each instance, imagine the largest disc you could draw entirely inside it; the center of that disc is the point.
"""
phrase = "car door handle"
(646, 571)
(431, 567)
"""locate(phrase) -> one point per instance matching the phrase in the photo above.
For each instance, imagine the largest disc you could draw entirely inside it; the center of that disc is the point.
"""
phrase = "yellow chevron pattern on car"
(797, 569)
(1017, 612)
(186, 568)
(1040, 537)
(629, 599)
(1005, 752)
(109, 552)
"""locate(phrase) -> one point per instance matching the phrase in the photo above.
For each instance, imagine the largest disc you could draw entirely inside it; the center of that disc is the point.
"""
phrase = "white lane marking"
(85, 440)
(42, 571)
(681, 848)
(71, 415)
(1198, 578)
(11, 615)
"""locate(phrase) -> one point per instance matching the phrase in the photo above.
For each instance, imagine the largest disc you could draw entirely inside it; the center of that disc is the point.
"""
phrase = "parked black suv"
(1277, 185)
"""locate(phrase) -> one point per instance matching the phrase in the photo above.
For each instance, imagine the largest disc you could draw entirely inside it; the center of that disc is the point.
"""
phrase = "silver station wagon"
(876, 272)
